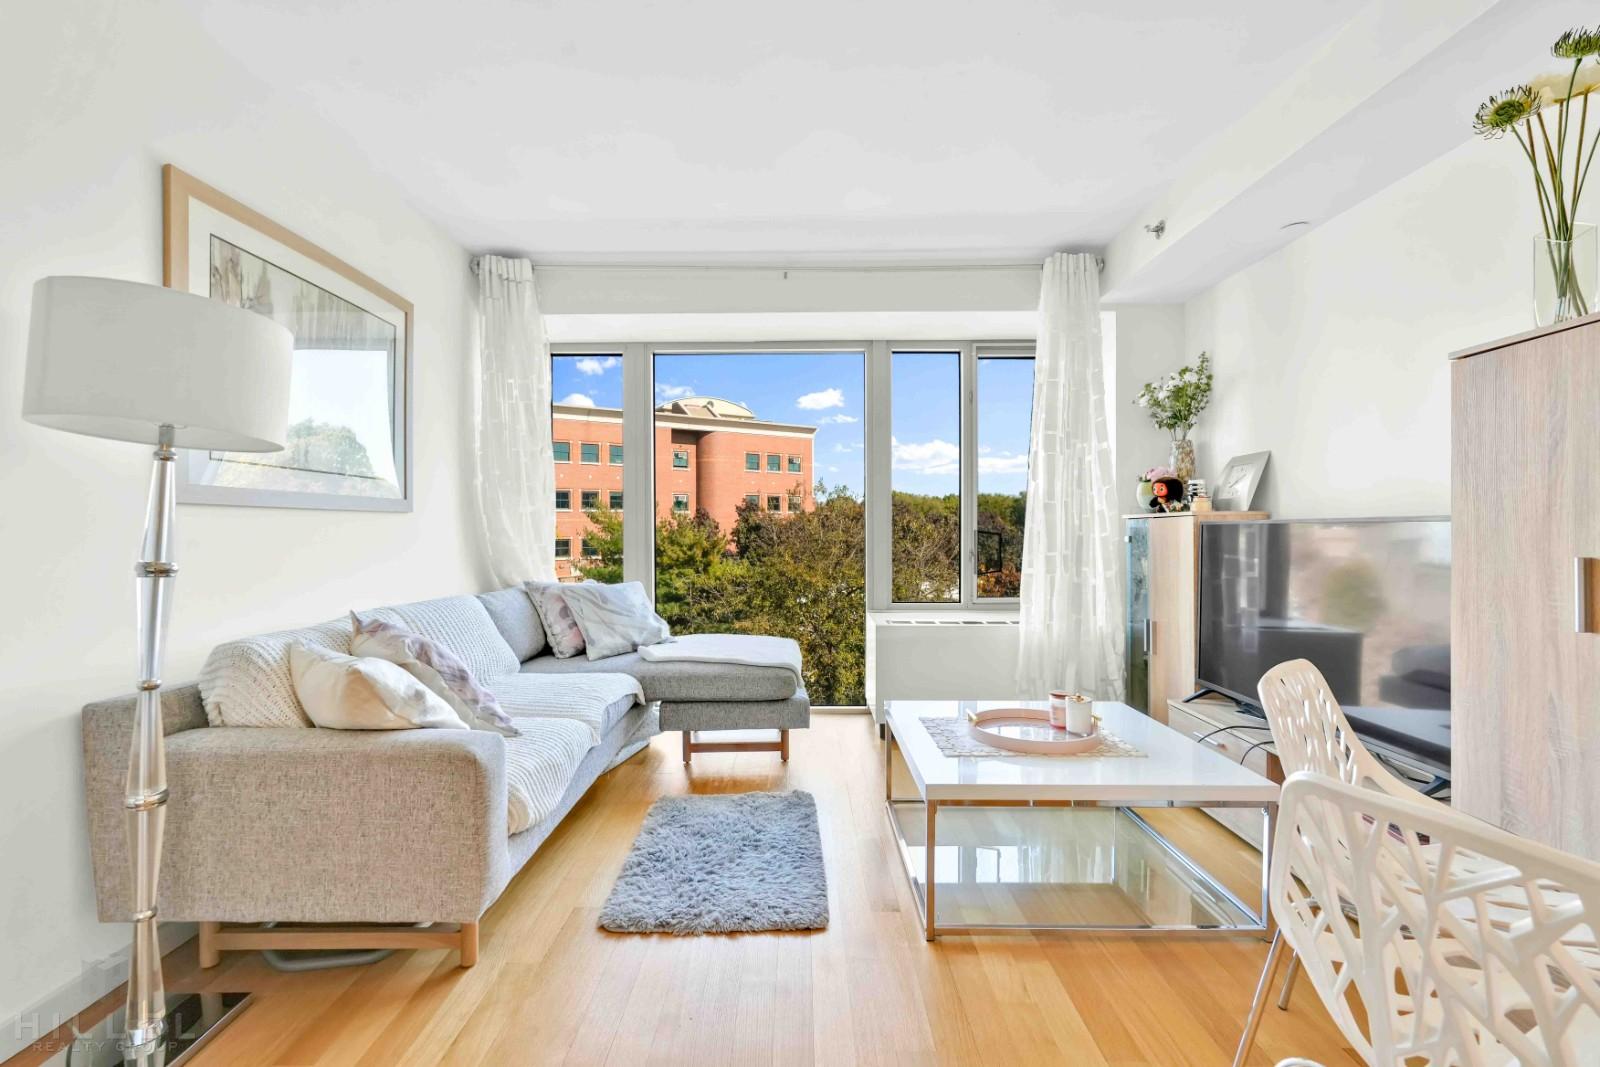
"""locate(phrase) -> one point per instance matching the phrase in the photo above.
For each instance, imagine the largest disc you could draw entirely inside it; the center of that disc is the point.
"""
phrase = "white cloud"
(1003, 463)
(839, 419)
(847, 446)
(665, 391)
(929, 457)
(593, 366)
(820, 400)
(577, 400)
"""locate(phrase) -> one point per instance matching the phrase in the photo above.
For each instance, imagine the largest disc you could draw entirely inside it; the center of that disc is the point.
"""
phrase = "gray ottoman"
(712, 715)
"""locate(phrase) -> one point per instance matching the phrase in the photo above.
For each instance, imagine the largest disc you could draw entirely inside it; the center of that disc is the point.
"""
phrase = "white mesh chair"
(1456, 942)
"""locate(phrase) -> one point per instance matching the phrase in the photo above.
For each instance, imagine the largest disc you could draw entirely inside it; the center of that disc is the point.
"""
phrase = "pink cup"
(1058, 708)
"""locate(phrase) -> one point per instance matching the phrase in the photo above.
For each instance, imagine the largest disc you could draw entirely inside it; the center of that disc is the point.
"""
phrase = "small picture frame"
(1236, 488)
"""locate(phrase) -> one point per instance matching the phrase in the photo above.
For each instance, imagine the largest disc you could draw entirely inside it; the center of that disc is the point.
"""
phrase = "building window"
(774, 503)
(774, 463)
(794, 464)
(616, 500)
(589, 551)
(795, 502)
(614, 455)
(680, 459)
(753, 499)
(752, 461)
(591, 499)
(680, 502)
(590, 452)
(563, 548)
(563, 451)
(563, 499)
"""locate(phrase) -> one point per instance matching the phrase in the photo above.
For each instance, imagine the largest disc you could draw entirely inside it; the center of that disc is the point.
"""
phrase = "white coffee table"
(1054, 843)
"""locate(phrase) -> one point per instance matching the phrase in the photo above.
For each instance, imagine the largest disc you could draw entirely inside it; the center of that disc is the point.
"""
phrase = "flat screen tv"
(1367, 601)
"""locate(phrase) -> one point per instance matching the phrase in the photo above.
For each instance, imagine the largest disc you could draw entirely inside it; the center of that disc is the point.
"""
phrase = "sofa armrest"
(310, 825)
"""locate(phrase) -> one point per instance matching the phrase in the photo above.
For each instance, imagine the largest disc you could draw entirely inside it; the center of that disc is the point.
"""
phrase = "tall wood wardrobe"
(1525, 584)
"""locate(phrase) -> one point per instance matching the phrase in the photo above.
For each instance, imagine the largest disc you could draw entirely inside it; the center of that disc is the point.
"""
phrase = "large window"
(775, 542)
(1004, 424)
(587, 417)
(925, 396)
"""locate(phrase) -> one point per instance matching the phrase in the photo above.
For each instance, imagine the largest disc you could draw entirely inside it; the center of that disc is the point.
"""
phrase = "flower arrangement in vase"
(1548, 118)
(1175, 403)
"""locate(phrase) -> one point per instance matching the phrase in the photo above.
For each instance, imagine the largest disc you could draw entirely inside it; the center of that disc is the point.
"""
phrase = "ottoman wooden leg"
(688, 748)
(783, 745)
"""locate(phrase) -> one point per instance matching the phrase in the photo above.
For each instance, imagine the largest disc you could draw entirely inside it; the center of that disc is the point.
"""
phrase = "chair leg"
(1288, 981)
(1269, 971)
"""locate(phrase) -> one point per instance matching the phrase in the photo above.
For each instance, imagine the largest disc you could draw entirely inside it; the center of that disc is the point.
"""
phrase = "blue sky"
(825, 390)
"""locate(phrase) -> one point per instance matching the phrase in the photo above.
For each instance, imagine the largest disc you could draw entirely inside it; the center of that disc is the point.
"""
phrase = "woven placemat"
(955, 740)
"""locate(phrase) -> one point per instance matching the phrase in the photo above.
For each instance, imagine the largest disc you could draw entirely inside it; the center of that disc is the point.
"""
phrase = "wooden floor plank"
(550, 987)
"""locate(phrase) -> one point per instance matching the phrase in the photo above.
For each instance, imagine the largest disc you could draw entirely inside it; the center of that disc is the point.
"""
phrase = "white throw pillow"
(614, 618)
(342, 692)
(560, 628)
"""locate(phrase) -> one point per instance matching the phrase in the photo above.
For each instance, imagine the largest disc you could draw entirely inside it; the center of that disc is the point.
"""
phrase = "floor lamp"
(135, 362)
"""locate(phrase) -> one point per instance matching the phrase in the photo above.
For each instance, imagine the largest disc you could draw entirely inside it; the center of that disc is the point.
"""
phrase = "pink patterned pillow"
(560, 626)
(435, 667)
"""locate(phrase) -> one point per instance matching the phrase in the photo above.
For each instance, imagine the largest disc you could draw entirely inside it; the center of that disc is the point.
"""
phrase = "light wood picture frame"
(350, 433)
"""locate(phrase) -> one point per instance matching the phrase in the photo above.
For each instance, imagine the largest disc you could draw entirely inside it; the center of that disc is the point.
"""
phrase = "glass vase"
(1564, 276)
(1182, 461)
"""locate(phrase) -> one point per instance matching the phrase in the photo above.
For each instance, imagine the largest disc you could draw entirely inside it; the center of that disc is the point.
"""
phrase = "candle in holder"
(1058, 708)
(1079, 717)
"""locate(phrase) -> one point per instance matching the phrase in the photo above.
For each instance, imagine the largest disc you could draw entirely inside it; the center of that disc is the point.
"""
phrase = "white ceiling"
(750, 131)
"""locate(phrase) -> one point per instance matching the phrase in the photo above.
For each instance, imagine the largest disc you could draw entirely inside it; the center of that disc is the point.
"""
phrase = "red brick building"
(711, 455)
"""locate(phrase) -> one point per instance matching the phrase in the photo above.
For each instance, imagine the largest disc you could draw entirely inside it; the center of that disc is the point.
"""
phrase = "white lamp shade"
(121, 359)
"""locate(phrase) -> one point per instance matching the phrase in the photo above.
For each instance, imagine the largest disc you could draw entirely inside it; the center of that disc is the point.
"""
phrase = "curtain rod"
(769, 269)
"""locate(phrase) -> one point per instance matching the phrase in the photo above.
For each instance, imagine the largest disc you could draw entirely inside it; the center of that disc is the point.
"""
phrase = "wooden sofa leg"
(783, 745)
(688, 748)
(469, 944)
(210, 955)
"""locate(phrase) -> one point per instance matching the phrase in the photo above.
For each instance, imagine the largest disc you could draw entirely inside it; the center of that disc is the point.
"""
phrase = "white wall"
(1149, 344)
(98, 97)
(1332, 352)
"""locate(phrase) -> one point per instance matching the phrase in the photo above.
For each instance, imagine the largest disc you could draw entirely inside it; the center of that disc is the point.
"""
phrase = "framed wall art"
(349, 444)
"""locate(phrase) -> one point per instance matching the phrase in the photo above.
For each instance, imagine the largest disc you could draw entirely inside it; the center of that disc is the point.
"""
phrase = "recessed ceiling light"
(1295, 225)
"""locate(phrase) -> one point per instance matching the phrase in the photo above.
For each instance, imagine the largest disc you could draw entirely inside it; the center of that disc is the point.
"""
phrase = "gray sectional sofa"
(299, 825)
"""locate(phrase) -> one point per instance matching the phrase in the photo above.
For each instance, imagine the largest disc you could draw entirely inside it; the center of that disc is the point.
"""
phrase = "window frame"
(583, 500)
(555, 456)
(639, 403)
(755, 466)
(677, 454)
(774, 463)
(568, 494)
(563, 541)
(583, 447)
(676, 498)
(774, 499)
(614, 453)
(795, 465)
(615, 499)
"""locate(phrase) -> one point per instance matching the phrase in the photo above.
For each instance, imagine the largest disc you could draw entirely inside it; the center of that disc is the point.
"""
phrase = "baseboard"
(97, 978)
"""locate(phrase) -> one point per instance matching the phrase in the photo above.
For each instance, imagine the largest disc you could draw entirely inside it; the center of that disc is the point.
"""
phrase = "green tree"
(926, 548)
(325, 446)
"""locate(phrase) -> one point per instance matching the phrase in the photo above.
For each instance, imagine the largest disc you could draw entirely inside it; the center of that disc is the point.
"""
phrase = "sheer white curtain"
(516, 475)
(1072, 559)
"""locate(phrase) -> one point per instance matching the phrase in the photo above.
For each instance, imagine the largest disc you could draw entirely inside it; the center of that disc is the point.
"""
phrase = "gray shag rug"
(723, 864)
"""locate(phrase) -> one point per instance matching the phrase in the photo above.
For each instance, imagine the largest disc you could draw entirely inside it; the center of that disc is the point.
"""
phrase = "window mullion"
(969, 475)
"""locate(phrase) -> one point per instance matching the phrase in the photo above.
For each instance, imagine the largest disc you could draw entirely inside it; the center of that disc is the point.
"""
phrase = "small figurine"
(1168, 495)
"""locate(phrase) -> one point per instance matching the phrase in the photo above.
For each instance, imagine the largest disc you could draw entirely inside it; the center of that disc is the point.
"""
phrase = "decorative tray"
(1029, 730)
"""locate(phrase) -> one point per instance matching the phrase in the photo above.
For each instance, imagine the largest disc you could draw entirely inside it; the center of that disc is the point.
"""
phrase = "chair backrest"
(1310, 732)
(1464, 944)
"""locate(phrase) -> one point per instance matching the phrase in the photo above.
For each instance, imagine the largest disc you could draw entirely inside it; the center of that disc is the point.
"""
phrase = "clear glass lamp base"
(192, 1020)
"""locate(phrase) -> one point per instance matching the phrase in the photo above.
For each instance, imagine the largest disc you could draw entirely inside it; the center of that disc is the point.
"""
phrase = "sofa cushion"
(696, 682)
(791, 714)
(614, 618)
(597, 700)
(342, 692)
(514, 616)
(433, 665)
(560, 625)
(461, 624)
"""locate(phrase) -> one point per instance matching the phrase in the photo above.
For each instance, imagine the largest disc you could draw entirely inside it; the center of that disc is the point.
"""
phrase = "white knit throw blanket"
(749, 650)
(582, 698)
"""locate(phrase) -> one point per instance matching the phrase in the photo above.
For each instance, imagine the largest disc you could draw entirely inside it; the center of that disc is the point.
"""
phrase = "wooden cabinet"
(1163, 597)
(1525, 629)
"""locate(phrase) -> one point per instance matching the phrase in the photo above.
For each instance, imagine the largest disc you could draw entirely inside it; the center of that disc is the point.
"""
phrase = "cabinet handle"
(1149, 637)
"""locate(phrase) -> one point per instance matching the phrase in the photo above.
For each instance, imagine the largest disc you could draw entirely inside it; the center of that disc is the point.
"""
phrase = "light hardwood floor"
(550, 987)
